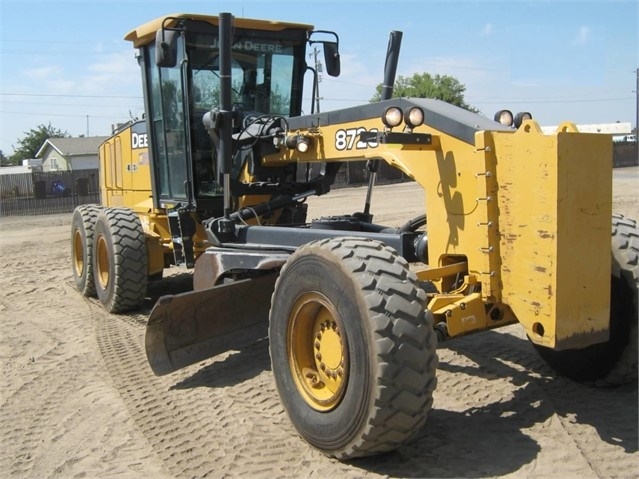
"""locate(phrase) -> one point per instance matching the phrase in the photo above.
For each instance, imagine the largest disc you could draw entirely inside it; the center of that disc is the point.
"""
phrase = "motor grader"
(518, 230)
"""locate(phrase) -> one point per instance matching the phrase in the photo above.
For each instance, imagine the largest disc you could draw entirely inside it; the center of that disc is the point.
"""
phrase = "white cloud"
(488, 29)
(355, 85)
(113, 72)
(583, 35)
(42, 73)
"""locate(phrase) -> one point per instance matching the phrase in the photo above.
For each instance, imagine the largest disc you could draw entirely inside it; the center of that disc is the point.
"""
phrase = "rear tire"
(353, 350)
(615, 361)
(119, 260)
(82, 226)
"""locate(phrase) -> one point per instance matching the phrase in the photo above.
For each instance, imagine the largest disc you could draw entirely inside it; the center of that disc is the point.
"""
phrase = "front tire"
(119, 260)
(352, 347)
(615, 361)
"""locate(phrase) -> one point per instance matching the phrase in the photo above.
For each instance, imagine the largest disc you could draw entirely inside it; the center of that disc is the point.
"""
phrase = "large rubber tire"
(615, 361)
(119, 260)
(82, 225)
(353, 350)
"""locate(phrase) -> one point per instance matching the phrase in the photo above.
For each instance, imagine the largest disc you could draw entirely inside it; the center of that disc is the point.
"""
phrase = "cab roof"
(146, 33)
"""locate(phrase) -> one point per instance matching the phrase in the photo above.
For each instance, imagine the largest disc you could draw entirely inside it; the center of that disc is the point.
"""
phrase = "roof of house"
(85, 145)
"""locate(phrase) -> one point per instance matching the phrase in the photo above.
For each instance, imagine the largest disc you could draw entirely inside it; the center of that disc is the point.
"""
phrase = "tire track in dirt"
(57, 416)
(223, 417)
(571, 422)
(498, 410)
(219, 418)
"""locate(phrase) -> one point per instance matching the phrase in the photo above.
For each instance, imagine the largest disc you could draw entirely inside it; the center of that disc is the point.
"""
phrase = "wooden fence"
(39, 193)
(625, 154)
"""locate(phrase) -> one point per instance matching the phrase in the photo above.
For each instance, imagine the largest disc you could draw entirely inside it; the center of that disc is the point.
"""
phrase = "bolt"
(314, 381)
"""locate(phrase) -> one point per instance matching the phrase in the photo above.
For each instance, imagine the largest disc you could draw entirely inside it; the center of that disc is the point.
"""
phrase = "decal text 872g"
(349, 139)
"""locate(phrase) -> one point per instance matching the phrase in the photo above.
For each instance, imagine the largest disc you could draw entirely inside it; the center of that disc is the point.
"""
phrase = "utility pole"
(318, 69)
(637, 119)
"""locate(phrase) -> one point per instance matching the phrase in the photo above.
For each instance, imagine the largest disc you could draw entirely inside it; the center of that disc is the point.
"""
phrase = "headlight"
(300, 143)
(303, 144)
(392, 117)
(521, 117)
(414, 117)
(505, 117)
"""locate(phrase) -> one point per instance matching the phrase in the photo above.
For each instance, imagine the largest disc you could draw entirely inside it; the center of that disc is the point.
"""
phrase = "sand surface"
(78, 400)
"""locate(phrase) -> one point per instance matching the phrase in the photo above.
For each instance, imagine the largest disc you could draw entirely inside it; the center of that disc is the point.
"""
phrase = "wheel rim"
(78, 253)
(317, 351)
(102, 252)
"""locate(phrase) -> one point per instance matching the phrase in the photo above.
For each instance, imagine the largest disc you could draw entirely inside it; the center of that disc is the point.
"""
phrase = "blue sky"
(66, 63)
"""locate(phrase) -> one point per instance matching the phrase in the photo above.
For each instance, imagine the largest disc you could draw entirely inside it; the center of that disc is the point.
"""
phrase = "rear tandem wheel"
(119, 260)
(82, 226)
(615, 361)
(352, 347)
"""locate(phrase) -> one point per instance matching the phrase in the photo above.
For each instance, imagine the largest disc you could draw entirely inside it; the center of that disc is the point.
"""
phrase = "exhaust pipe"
(390, 66)
(225, 152)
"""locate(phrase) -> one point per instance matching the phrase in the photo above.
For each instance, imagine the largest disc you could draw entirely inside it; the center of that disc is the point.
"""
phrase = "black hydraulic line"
(390, 70)
(276, 203)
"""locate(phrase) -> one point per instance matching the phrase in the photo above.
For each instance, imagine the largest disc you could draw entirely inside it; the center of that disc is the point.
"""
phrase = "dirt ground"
(78, 399)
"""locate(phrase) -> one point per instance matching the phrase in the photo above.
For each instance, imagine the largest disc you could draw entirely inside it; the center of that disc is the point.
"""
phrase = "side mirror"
(331, 58)
(166, 48)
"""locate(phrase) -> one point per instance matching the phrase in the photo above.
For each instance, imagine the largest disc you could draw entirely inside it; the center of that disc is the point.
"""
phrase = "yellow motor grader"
(518, 230)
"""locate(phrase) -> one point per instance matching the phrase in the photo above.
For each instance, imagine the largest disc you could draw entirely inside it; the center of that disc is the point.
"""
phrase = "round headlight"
(303, 144)
(300, 143)
(505, 117)
(521, 117)
(414, 117)
(392, 117)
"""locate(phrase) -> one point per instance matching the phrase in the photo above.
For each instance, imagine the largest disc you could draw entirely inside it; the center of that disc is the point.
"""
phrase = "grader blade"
(187, 328)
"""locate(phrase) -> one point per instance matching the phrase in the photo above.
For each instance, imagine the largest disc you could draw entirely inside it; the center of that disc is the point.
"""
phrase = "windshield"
(263, 73)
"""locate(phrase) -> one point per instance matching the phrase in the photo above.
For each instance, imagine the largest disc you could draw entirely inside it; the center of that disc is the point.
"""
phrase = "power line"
(71, 95)
(60, 52)
(41, 114)
(82, 105)
(532, 100)
(21, 41)
(581, 100)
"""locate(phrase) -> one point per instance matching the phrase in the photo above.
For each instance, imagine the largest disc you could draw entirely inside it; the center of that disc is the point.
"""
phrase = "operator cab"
(180, 62)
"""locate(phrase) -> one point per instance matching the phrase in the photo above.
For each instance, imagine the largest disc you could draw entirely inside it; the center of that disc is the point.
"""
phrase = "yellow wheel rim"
(78, 253)
(102, 263)
(317, 351)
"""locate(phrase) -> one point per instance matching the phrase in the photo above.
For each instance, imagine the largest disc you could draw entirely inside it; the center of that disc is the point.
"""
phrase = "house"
(27, 166)
(70, 154)
(614, 129)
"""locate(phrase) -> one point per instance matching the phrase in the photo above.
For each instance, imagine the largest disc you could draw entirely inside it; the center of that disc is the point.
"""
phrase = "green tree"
(4, 161)
(425, 85)
(33, 141)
